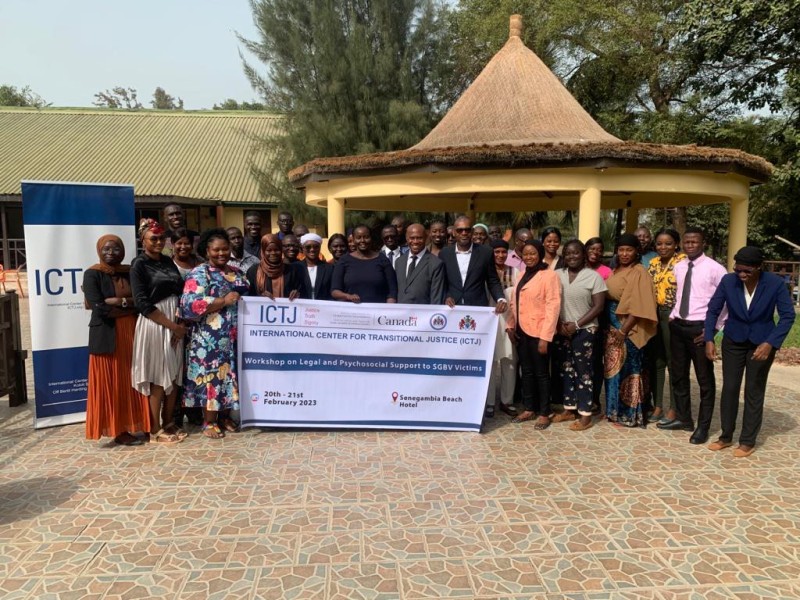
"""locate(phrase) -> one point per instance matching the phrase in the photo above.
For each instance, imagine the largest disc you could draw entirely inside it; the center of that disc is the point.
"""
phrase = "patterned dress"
(630, 292)
(211, 380)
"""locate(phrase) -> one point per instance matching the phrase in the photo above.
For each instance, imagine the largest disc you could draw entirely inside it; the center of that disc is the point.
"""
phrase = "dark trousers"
(574, 355)
(683, 351)
(737, 362)
(658, 349)
(535, 369)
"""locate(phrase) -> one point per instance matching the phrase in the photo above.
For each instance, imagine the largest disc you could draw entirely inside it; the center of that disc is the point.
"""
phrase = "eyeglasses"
(463, 229)
(739, 271)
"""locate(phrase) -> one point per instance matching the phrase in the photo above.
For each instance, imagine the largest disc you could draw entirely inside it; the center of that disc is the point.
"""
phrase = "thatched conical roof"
(516, 100)
(517, 114)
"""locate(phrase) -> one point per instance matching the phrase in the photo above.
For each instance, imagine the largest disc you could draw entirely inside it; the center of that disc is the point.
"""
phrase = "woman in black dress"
(364, 275)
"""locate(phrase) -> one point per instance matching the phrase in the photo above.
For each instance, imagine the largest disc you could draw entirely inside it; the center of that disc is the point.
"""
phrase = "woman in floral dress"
(209, 299)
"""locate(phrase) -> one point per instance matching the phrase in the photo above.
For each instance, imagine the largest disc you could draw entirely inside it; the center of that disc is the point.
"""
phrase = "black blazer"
(97, 286)
(294, 278)
(426, 284)
(322, 286)
(480, 275)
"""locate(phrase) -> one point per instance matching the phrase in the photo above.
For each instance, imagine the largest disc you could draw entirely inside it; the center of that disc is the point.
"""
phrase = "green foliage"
(163, 101)
(748, 47)
(12, 96)
(350, 76)
(231, 104)
(118, 97)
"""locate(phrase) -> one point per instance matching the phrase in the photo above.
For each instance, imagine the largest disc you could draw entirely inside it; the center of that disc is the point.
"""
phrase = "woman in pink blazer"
(531, 325)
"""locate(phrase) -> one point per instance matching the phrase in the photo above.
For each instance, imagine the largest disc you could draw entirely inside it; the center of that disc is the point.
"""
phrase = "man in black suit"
(420, 275)
(469, 270)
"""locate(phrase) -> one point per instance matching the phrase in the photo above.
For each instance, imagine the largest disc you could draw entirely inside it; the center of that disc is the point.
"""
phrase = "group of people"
(163, 330)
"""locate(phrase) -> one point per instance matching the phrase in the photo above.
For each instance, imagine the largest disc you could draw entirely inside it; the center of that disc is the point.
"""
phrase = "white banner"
(390, 366)
(63, 222)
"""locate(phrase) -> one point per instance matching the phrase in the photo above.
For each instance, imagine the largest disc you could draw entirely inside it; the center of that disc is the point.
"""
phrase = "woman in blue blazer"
(750, 340)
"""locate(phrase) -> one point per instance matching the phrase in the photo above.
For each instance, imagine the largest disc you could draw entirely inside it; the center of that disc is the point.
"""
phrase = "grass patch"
(793, 339)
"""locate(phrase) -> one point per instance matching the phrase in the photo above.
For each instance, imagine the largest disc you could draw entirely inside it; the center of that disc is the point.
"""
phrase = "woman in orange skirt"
(113, 407)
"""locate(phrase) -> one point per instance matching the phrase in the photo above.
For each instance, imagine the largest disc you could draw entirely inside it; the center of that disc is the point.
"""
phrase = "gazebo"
(517, 140)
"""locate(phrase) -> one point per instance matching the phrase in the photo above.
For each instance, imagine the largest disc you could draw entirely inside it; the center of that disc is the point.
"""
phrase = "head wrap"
(310, 237)
(749, 256)
(499, 244)
(485, 228)
(106, 268)
(628, 239)
(146, 225)
(267, 270)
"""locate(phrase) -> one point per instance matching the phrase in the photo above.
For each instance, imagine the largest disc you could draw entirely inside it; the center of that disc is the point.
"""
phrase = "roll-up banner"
(394, 366)
(63, 222)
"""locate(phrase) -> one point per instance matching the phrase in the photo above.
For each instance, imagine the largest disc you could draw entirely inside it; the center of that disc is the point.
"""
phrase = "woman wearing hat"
(633, 319)
(750, 340)
(318, 272)
(113, 407)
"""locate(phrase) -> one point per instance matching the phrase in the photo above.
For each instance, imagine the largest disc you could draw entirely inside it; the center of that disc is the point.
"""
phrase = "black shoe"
(489, 412)
(700, 436)
(676, 426)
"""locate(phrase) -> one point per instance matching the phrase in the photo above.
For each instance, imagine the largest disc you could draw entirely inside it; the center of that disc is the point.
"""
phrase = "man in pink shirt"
(514, 258)
(697, 277)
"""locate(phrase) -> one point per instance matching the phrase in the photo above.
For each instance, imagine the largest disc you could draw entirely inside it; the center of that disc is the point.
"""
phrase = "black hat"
(499, 244)
(628, 239)
(750, 256)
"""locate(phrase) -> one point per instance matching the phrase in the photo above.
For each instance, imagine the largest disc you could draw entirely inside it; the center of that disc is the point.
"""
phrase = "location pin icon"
(394, 396)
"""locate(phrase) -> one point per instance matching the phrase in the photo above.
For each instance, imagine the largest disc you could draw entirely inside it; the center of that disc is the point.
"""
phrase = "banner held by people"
(62, 220)
(394, 366)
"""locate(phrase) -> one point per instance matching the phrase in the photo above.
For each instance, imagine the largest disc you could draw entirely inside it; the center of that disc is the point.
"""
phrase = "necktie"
(412, 266)
(686, 295)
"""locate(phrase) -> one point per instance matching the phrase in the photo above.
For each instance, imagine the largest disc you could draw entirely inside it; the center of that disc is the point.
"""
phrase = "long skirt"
(155, 360)
(626, 377)
(113, 406)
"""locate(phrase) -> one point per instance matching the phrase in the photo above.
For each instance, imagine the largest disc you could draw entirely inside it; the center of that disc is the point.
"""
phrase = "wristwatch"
(124, 303)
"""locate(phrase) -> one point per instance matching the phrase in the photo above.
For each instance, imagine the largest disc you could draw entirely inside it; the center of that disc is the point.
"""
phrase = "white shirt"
(463, 259)
(392, 255)
(312, 275)
(410, 256)
(748, 297)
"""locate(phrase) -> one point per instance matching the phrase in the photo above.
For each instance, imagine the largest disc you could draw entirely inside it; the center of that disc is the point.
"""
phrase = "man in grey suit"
(420, 275)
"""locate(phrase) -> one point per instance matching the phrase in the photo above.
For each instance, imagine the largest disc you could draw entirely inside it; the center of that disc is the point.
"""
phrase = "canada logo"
(467, 324)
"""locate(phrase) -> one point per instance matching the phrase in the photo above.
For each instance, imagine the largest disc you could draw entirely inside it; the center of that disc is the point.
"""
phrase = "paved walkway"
(602, 514)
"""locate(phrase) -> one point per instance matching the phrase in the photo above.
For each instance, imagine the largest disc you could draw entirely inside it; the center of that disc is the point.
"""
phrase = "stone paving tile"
(512, 513)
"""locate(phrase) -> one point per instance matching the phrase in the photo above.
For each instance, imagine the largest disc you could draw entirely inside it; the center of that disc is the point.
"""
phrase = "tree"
(350, 77)
(231, 104)
(118, 97)
(749, 48)
(163, 101)
(11, 96)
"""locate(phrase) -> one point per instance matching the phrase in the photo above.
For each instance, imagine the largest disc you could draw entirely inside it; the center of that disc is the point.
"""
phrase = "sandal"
(564, 416)
(527, 415)
(212, 430)
(162, 437)
(177, 431)
(229, 425)
(542, 425)
(579, 426)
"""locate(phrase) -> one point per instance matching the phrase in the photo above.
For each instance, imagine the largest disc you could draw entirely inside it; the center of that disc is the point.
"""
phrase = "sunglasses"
(739, 271)
(464, 229)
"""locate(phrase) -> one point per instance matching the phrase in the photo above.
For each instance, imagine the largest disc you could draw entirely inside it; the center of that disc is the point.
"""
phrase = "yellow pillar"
(335, 215)
(631, 219)
(737, 230)
(589, 214)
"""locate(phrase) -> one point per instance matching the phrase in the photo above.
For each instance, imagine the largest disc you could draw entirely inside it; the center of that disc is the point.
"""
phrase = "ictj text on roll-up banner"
(63, 221)
(335, 364)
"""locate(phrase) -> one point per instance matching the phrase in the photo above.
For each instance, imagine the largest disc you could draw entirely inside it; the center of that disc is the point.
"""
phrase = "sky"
(68, 50)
